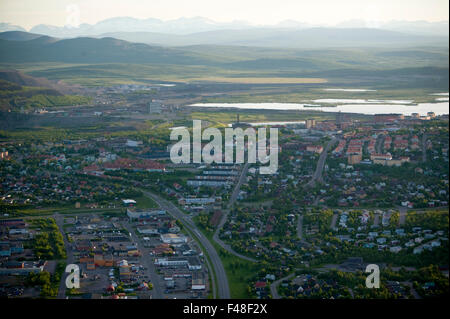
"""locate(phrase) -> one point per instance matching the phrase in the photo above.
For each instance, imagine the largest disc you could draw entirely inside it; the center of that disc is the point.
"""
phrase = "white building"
(198, 284)
(173, 262)
(131, 143)
(211, 183)
(194, 263)
(22, 231)
(128, 202)
(173, 239)
(144, 214)
(199, 200)
(395, 249)
(155, 106)
(435, 243)
(148, 231)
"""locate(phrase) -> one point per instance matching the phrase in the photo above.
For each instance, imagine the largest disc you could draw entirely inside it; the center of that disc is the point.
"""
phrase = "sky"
(28, 13)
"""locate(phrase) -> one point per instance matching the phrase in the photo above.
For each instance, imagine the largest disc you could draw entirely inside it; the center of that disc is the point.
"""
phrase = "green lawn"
(142, 203)
(61, 210)
(239, 271)
(145, 202)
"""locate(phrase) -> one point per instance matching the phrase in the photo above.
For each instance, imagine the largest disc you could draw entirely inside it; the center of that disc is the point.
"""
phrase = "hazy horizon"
(28, 13)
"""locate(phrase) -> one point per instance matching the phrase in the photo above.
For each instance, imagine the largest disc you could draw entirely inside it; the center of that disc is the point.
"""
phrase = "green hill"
(90, 50)
(14, 96)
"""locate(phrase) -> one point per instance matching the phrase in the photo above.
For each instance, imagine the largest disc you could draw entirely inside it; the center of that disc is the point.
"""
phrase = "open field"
(227, 117)
(31, 212)
(406, 67)
(239, 271)
(144, 202)
(307, 94)
(260, 80)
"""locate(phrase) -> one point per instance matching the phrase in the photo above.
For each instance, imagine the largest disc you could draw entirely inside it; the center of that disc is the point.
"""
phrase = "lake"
(438, 108)
(349, 90)
(276, 123)
(362, 101)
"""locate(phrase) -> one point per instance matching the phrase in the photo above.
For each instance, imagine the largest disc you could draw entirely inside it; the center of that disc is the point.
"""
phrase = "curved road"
(221, 276)
(225, 216)
(275, 284)
(320, 164)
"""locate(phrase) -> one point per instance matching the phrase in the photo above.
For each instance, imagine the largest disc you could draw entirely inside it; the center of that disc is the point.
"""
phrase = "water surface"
(439, 108)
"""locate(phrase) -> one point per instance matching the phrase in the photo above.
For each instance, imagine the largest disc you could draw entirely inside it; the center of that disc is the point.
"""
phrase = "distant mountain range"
(342, 53)
(25, 46)
(20, 47)
(10, 27)
(127, 24)
(184, 26)
(286, 38)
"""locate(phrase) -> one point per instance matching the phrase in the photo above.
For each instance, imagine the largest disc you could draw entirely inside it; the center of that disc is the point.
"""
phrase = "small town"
(344, 191)
(225, 159)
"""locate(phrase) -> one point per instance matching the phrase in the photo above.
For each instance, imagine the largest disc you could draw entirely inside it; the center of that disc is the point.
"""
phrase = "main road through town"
(320, 164)
(233, 198)
(221, 276)
(424, 147)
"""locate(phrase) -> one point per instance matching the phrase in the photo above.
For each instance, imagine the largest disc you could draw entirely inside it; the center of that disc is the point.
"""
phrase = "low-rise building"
(173, 238)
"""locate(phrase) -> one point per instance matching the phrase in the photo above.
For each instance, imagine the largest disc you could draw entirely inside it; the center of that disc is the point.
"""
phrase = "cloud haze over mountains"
(183, 26)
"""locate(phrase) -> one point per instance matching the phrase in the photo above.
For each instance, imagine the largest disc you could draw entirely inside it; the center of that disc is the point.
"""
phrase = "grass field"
(302, 94)
(145, 202)
(259, 80)
(61, 210)
(223, 118)
(282, 86)
(239, 271)
(384, 67)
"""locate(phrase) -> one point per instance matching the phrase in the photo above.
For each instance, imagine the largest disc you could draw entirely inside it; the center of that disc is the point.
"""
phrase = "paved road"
(275, 284)
(424, 147)
(413, 291)
(376, 219)
(225, 216)
(237, 188)
(221, 276)
(300, 227)
(350, 290)
(317, 176)
(379, 144)
(157, 292)
(402, 218)
(334, 220)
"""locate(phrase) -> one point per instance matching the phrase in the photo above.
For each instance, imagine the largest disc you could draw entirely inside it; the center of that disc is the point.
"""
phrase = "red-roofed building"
(135, 164)
(93, 169)
(314, 148)
(260, 285)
